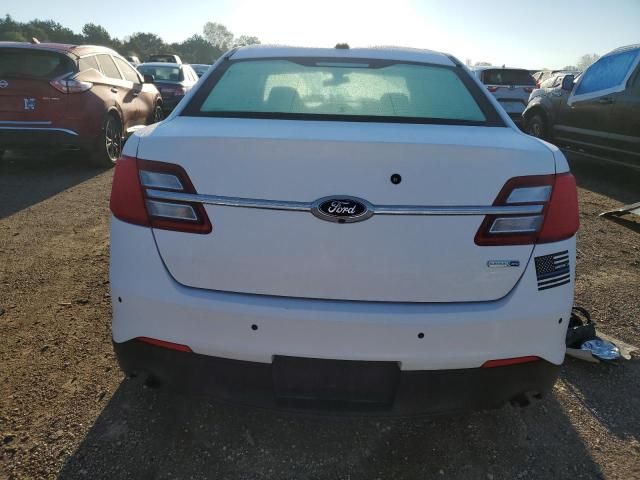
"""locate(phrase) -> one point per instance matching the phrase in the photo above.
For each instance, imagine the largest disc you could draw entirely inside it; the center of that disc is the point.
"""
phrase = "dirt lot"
(67, 412)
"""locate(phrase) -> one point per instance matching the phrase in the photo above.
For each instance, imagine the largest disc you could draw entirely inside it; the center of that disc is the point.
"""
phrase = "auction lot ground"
(66, 411)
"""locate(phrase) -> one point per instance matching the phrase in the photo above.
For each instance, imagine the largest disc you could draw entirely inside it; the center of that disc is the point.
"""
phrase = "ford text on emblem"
(342, 209)
(4, 84)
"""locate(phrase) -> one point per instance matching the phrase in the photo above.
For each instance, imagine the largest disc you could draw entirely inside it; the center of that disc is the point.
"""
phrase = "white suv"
(362, 229)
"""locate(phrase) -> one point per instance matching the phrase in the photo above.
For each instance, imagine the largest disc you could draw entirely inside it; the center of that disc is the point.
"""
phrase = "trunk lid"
(25, 92)
(384, 258)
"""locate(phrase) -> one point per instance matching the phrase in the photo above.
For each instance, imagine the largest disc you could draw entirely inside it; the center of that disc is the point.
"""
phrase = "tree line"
(198, 48)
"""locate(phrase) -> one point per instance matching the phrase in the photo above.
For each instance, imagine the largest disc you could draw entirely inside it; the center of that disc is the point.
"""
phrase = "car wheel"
(109, 145)
(536, 127)
(157, 115)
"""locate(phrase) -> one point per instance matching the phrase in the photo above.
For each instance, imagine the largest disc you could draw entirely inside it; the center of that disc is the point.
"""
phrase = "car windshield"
(22, 62)
(507, 76)
(334, 88)
(162, 73)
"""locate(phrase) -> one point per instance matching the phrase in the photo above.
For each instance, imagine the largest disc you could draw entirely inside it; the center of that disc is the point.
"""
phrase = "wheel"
(109, 145)
(157, 115)
(536, 127)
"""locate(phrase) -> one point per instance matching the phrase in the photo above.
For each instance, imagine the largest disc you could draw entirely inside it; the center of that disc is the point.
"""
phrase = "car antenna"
(342, 46)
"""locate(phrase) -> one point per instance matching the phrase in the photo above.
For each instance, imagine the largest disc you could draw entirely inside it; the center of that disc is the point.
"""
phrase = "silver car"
(510, 86)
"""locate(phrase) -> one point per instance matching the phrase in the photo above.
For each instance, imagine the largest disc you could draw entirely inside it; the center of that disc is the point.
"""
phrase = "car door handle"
(114, 89)
(606, 101)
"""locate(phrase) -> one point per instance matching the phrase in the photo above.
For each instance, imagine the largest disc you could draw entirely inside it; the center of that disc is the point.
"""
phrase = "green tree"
(218, 35)
(96, 35)
(196, 49)
(244, 40)
(143, 44)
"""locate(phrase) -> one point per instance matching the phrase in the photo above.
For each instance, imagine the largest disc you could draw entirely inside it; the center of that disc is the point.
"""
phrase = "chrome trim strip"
(376, 209)
(64, 130)
(461, 210)
(24, 123)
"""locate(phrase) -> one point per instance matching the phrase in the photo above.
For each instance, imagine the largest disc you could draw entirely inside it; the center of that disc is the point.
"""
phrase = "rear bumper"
(412, 392)
(38, 137)
(148, 302)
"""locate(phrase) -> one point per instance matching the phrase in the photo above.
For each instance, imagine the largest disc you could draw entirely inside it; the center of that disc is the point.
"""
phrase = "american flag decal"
(553, 270)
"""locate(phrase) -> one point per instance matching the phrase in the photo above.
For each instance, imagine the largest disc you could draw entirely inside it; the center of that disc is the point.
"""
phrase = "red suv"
(72, 97)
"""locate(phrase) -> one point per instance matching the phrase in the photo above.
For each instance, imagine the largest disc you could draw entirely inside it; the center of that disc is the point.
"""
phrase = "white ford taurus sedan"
(360, 229)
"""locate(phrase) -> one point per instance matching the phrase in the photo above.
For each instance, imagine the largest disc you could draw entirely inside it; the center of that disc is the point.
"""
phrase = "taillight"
(180, 92)
(70, 86)
(492, 88)
(132, 198)
(553, 198)
(528, 89)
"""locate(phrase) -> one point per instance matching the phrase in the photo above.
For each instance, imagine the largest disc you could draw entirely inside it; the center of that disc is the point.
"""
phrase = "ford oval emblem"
(4, 84)
(342, 209)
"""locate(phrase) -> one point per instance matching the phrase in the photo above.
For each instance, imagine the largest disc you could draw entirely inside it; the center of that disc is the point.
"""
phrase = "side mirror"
(148, 78)
(567, 83)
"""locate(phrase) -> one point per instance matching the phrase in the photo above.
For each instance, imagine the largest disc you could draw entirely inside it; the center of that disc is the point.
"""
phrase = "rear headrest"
(282, 99)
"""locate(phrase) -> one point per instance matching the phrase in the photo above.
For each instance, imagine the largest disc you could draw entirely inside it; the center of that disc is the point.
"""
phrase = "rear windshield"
(23, 62)
(334, 89)
(162, 73)
(506, 76)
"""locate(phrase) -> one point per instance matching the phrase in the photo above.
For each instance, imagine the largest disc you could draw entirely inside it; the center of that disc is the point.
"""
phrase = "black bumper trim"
(40, 137)
(414, 392)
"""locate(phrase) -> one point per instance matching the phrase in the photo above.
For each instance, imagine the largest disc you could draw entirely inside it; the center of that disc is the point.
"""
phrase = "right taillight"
(492, 88)
(133, 199)
(554, 203)
(70, 85)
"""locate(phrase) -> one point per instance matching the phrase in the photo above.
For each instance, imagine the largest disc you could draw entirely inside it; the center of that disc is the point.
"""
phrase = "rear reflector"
(509, 361)
(163, 344)
(557, 220)
(130, 201)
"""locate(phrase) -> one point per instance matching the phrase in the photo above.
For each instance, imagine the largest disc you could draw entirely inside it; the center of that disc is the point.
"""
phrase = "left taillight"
(132, 196)
(65, 85)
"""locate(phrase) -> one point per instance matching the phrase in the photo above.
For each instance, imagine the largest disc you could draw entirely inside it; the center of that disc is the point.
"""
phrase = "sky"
(529, 34)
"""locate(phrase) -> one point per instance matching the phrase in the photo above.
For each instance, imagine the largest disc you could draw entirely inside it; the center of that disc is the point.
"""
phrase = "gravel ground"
(67, 412)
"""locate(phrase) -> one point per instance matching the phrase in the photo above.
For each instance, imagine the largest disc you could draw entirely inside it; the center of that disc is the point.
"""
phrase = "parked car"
(552, 85)
(510, 86)
(164, 58)
(133, 60)
(71, 97)
(544, 75)
(200, 68)
(173, 80)
(599, 110)
(356, 228)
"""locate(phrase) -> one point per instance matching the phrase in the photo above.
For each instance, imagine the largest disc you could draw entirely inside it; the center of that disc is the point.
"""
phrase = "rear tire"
(157, 115)
(109, 145)
(537, 127)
